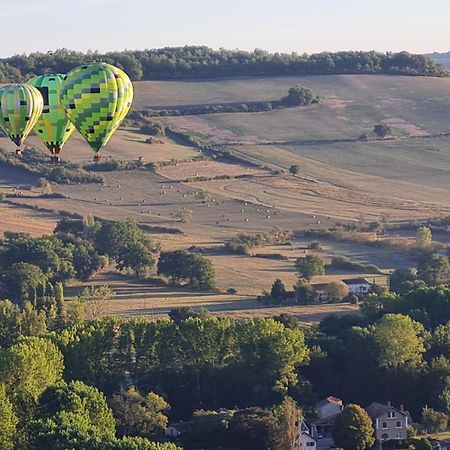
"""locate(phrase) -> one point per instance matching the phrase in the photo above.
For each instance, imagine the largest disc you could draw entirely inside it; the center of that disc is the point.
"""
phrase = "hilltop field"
(195, 200)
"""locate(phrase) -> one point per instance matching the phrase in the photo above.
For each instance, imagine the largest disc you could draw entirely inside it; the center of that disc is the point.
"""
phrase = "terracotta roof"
(331, 399)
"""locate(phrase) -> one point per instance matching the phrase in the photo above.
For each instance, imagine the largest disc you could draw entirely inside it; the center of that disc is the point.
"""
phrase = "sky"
(418, 26)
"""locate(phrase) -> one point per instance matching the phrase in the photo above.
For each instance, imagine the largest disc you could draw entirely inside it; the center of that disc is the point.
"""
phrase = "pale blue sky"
(276, 25)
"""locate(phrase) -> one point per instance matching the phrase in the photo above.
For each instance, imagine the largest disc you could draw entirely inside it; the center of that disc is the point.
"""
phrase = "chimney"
(402, 408)
(389, 403)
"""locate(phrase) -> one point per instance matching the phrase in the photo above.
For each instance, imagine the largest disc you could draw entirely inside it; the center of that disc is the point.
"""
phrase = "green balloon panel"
(96, 97)
(20, 108)
(53, 126)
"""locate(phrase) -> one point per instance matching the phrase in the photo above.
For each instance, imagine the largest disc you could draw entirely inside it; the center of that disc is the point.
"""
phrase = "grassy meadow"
(341, 178)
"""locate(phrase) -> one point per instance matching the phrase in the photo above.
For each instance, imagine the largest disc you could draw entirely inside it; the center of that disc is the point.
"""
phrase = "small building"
(305, 441)
(389, 423)
(358, 286)
(322, 293)
(323, 427)
(329, 407)
(174, 430)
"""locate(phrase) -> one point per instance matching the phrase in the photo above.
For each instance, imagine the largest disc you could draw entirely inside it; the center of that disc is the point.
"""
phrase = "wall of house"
(305, 442)
(389, 426)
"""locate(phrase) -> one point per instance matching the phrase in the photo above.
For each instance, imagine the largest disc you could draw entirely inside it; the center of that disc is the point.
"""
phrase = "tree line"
(202, 62)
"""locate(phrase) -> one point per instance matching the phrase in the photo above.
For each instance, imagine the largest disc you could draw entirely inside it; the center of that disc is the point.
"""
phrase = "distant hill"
(440, 58)
(191, 62)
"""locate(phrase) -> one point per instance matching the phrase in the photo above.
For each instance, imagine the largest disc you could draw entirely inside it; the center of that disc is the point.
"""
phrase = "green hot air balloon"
(20, 107)
(53, 127)
(97, 97)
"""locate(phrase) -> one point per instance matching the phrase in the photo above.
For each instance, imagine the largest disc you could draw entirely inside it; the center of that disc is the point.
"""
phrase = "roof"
(329, 420)
(355, 281)
(376, 410)
(304, 433)
(334, 400)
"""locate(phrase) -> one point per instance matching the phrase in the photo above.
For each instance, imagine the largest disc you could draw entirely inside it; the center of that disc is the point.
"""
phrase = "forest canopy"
(203, 62)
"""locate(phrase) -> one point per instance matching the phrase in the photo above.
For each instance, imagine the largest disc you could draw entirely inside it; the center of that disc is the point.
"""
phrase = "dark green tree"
(278, 291)
(294, 169)
(310, 266)
(382, 130)
(434, 269)
(138, 415)
(353, 429)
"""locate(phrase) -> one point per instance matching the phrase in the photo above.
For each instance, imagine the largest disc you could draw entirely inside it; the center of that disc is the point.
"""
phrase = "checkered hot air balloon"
(53, 127)
(20, 108)
(97, 97)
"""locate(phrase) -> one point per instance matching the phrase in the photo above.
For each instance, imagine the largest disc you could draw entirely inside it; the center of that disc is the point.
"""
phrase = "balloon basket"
(55, 159)
(97, 158)
(18, 152)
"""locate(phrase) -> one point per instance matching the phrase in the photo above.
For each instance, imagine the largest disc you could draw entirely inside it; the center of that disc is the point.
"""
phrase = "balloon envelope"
(97, 97)
(20, 107)
(53, 126)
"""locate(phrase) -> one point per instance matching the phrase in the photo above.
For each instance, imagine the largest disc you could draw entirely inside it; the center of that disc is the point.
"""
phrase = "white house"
(305, 441)
(358, 286)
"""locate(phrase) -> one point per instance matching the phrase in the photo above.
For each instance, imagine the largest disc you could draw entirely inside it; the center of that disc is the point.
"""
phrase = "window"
(399, 434)
(391, 414)
(385, 437)
(384, 425)
(399, 424)
(310, 444)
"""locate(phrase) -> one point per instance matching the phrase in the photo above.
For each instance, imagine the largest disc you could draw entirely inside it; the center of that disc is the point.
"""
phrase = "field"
(203, 203)
(139, 299)
(16, 219)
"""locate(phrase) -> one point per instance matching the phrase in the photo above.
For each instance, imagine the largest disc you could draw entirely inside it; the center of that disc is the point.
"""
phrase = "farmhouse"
(358, 286)
(327, 412)
(329, 407)
(390, 423)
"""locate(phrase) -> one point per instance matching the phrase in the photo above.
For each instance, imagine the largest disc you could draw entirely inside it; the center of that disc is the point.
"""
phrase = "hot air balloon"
(53, 127)
(97, 97)
(20, 107)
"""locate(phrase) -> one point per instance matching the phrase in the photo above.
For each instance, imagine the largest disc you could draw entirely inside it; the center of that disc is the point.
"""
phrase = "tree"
(137, 415)
(136, 257)
(270, 353)
(399, 341)
(434, 421)
(27, 368)
(353, 429)
(434, 269)
(337, 289)
(278, 291)
(399, 280)
(423, 236)
(422, 444)
(304, 292)
(96, 299)
(382, 130)
(300, 95)
(310, 266)
(23, 281)
(256, 429)
(294, 169)
(127, 244)
(8, 421)
(184, 265)
(289, 415)
(72, 416)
